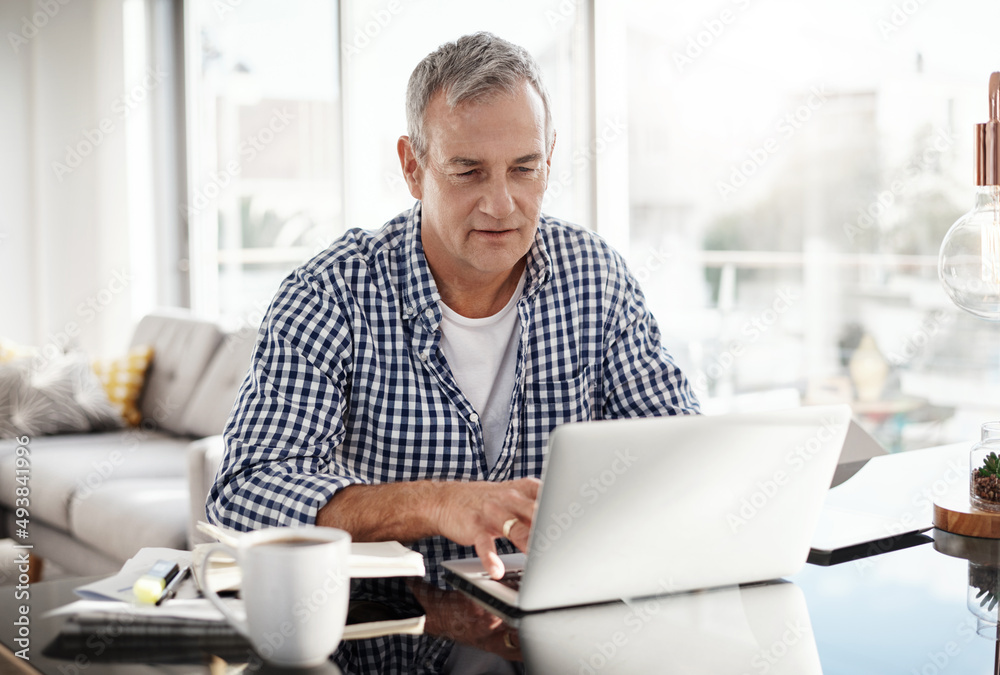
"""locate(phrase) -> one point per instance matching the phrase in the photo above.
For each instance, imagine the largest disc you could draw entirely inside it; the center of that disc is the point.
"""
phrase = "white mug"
(295, 586)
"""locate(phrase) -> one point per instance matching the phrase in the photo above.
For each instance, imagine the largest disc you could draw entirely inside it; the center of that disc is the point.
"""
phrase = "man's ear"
(548, 160)
(413, 173)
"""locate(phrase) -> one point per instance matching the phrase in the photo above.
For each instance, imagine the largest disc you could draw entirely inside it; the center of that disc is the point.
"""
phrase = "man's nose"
(497, 200)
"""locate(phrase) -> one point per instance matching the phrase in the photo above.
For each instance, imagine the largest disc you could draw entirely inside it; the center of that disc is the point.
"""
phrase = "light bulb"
(969, 262)
(969, 265)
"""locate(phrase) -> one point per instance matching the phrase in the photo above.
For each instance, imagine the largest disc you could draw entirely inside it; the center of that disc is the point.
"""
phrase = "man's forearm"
(400, 511)
(470, 513)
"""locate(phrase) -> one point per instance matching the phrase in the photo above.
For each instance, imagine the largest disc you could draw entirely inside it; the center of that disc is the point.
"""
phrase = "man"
(405, 381)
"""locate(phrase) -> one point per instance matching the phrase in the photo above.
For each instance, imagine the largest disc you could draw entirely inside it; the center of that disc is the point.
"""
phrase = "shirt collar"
(420, 291)
(539, 264)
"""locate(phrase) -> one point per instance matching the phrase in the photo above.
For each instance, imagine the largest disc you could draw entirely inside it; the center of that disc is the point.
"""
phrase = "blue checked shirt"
(348, 384)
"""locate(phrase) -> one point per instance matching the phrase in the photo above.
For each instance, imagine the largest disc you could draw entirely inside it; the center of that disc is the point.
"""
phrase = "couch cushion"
(69, 554)
(122, 516)
(182, 348)
(123, 378)
(50, 396)
(79, 464)
(212, 401)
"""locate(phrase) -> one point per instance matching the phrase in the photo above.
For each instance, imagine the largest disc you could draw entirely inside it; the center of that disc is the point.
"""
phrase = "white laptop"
(641, 507)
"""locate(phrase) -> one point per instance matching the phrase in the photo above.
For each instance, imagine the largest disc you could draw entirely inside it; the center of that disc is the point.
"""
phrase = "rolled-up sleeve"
(282, 438)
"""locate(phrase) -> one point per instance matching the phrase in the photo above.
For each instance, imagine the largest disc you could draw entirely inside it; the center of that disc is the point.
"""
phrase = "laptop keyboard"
(512, 579)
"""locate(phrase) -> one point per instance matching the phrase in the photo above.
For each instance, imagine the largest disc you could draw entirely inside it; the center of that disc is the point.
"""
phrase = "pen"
(171, 588)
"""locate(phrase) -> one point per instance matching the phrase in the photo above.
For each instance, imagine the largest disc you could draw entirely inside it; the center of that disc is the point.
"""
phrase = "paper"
(891, 495)
(363, 631)
(378, 558)
(110, 601)
(193, 609)
(368, 559)
(195, 616)
(119, 586)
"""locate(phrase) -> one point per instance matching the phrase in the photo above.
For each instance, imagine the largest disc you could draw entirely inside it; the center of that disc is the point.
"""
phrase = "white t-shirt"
(482, 354)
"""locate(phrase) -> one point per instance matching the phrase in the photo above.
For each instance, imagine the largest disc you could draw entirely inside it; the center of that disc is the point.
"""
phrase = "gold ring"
(506, 527)
(507, 637)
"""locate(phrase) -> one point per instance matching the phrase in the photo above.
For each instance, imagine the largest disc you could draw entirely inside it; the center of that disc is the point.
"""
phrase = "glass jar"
(984, 597)
(984, 485)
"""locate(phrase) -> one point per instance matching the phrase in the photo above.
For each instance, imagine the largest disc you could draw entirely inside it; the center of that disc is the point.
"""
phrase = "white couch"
(97, 498)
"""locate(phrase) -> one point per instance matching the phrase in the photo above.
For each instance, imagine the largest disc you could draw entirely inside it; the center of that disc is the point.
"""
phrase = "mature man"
(405, 380)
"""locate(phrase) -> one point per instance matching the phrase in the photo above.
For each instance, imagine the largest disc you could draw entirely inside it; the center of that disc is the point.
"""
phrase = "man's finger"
(529, 486)
(522, 507)
(487, 552)
(519, 535)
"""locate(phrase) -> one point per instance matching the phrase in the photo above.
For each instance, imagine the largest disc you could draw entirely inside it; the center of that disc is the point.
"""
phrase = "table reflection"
(983, 596)
(258, 667)
(760, 628)
(757, 628)
(460, 636)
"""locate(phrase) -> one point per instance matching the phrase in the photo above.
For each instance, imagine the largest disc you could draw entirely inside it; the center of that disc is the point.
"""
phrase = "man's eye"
(525, 169)
(467, 174)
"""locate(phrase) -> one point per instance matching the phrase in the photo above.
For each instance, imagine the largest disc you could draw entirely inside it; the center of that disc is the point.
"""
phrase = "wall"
(77, 251)
(19, 286)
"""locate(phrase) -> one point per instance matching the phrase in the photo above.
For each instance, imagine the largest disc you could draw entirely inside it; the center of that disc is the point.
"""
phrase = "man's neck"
(480, 297)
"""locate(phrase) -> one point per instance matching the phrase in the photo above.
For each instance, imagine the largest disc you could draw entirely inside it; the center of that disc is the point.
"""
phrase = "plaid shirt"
(348, 384)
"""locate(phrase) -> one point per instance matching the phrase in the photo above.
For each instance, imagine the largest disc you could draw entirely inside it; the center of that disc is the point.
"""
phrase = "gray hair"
(473, 68)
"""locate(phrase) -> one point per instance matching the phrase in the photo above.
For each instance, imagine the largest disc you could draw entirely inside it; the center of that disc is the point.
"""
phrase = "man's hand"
(473, 514)
(452, 615)
(468, 513)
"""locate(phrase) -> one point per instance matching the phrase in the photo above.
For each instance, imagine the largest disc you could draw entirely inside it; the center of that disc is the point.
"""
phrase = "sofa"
(96, 498)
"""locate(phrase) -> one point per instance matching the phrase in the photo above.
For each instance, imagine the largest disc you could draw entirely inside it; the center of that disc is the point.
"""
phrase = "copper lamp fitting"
(988, 140)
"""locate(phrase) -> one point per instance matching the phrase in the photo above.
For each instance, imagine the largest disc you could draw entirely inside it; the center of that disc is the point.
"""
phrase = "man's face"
(481, 183)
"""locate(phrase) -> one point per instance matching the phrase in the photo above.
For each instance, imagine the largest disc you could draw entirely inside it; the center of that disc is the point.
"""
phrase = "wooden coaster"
(955, 513)
(974, 549)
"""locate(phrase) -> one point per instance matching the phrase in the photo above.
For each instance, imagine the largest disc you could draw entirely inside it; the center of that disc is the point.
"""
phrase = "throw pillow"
(61, 395)
(123, 378)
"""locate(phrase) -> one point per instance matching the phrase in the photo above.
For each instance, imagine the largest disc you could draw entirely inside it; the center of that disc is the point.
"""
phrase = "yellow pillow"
(123, 378)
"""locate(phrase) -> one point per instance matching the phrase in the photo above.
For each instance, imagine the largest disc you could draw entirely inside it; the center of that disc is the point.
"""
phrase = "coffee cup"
(295, 588)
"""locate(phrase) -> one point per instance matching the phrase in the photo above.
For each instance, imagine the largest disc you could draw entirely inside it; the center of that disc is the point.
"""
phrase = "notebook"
(642, 507)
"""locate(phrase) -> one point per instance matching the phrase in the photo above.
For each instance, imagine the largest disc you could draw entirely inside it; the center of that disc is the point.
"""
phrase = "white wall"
(76, 258)
(18, 285)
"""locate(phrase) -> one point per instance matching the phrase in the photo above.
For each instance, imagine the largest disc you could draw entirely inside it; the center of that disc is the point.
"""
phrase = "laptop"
(643, 507)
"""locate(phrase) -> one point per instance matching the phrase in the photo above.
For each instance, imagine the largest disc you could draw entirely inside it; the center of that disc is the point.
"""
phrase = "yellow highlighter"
(150, 586)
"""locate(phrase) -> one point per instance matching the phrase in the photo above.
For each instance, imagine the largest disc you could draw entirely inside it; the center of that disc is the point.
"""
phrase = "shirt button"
(423, 356)
(408, 311)
(474, 418)
(429, 313)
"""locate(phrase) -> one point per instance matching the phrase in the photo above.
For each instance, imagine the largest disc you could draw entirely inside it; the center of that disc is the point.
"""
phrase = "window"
(264, 140)
(797, 164)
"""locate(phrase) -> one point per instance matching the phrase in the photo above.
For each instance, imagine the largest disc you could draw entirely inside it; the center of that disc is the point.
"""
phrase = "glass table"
(904, 611)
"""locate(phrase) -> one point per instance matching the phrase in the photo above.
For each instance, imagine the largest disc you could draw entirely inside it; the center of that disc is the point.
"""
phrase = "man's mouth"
(494, 233)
